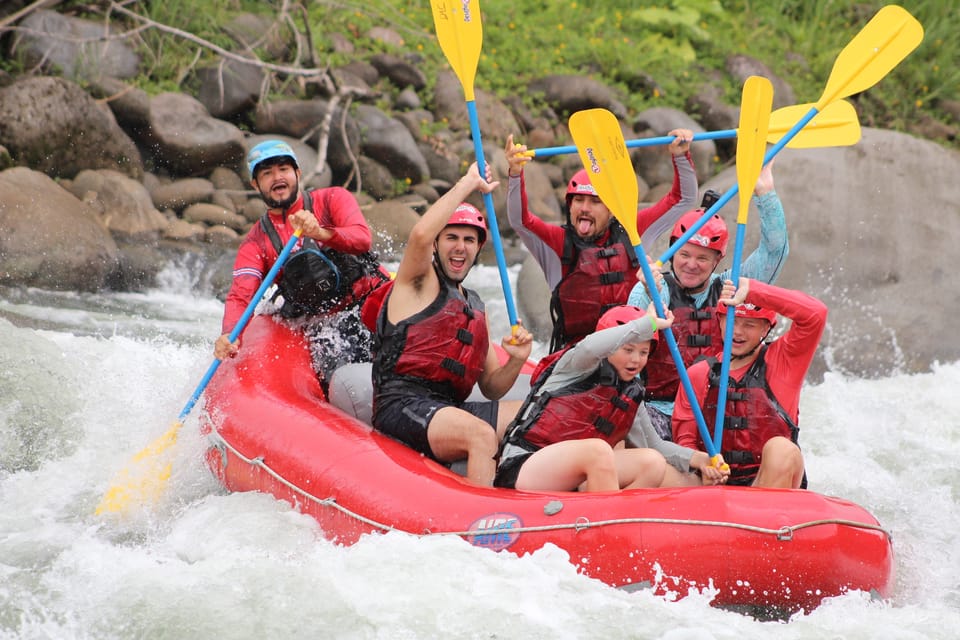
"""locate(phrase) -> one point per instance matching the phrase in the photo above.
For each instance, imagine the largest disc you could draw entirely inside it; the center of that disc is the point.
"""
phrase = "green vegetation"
(655, 52)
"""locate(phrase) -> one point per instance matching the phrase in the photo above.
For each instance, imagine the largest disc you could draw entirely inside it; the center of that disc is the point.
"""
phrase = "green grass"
(655, 53)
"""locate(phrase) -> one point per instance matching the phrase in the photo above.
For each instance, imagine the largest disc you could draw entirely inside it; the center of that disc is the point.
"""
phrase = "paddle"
(145, 477)
(460, 32)
(882, 43)
(604, 154)
(836, 126)
(755, 104)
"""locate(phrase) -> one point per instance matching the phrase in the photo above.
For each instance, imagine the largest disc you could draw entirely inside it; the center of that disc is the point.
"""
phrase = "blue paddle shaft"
(491, 213)
(241, 324)
(728, 338)
(639, 142)
(675, 352)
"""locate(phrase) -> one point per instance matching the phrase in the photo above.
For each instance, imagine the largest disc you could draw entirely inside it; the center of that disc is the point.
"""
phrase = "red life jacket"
(443, 347)
(751, 417)
(370, 309)
(595, 278)
(599, 406)
(321, 280)
(697, 332)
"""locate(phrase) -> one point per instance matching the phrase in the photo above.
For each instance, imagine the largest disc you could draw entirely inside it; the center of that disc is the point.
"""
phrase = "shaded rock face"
(52, 125)
(49, 238)
(875, 233)
(189, 140)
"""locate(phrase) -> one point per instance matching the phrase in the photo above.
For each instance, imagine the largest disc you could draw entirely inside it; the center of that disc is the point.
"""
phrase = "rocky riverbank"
(102, 183)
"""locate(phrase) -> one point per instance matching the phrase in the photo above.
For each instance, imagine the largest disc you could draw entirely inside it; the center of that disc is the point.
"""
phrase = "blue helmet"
(269, 149)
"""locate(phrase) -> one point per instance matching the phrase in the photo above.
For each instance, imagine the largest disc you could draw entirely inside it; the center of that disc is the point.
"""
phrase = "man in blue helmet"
(329, 273)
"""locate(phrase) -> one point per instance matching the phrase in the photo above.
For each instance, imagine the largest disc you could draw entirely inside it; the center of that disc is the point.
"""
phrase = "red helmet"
(712, 235)
(749, 310)
(469, 215)
(580, 184)
(623, 314)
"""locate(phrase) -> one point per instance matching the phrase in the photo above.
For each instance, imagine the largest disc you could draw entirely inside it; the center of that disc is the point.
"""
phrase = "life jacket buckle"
(698, 340)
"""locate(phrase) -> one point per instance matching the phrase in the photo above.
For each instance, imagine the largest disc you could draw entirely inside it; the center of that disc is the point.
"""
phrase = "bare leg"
(673, 477)
(455, 434)
(781, 465)
(640, 468)
(564, 466)
(506, 412)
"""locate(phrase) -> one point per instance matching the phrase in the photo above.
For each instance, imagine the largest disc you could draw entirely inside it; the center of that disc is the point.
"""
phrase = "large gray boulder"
(654, 163)
(50, 239)
(567, 94)
(389, 142)
(122, 203)
(301, 119)
(54, 126)
(495, 118)
(188, 140)
(874, 232)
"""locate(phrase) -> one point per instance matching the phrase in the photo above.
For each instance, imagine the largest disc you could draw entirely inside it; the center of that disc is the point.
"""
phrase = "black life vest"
(598, 406)
(751, 417)
(443, 347)
(595, 278)
(322, 280)
(697, 332)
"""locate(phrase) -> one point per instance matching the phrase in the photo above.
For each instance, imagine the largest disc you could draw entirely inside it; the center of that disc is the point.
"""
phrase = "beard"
(284, 204)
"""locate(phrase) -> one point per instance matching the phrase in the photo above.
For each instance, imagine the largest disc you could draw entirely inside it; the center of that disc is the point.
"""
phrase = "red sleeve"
(337, 210)
(685, 430)
(254, 258)
(646, 217)
(788, 358)
(551, 235)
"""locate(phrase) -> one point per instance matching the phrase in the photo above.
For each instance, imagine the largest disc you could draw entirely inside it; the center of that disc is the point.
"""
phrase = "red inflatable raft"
(271, 430)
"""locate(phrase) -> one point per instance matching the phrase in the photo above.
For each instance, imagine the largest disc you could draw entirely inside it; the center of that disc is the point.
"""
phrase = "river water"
(88, 380)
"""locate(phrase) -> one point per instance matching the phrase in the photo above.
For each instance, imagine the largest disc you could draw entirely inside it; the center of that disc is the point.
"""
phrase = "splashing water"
(88, 380)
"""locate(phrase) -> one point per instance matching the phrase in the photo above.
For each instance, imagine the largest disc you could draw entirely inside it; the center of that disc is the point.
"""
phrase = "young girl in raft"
(583, 404)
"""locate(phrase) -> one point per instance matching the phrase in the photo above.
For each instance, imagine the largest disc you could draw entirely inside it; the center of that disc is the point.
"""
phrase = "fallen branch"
(27, 10)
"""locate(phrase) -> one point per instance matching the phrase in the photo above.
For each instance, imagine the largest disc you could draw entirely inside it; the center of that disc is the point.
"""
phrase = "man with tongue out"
(589, 262)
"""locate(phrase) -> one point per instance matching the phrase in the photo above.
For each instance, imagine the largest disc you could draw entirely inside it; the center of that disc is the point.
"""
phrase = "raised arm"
(767, 260)
(656, 220)
(416, 284)
(543, 240)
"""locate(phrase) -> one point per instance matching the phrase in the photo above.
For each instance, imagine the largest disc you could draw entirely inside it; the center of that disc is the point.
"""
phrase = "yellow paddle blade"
(460, 32)
(836, 126)
(755, 104)
(880, 46)
(145, 478)
(603, 152)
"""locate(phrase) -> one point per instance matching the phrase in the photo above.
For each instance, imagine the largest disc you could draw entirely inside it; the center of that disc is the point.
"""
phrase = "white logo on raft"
(495, 531)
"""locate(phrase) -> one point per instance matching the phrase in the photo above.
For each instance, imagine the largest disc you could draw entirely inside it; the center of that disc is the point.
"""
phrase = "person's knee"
(597, 454)
(480, 437)
(782, 455)
(653, 465)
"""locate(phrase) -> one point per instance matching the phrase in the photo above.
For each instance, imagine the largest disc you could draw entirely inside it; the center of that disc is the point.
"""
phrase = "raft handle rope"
(784, 533)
